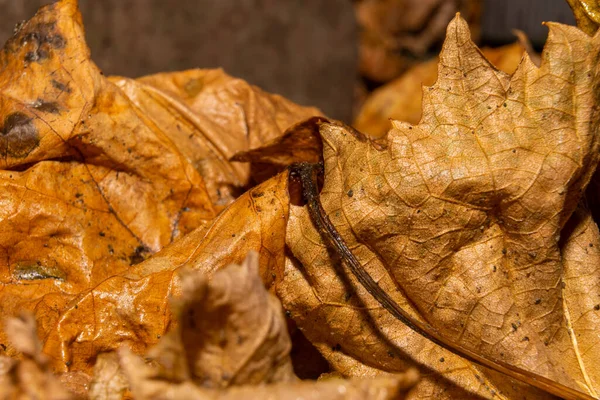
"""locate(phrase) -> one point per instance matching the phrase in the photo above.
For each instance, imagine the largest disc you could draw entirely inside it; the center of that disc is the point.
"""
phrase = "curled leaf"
(229, 331)
(458, 219)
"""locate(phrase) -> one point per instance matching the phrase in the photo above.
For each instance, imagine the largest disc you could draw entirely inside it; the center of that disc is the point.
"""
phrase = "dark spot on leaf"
(18, 135)
(494, 268)
(257, 194)
(538, 301)
(514, 326)
(442, 359)
(60, 86)
(337, 347)
(102, 234)
(51, 107)
(41, 39)
(504, 251)
(350, 193)
(525, 339)
(139, 254)
(3, 346)
(597, 307)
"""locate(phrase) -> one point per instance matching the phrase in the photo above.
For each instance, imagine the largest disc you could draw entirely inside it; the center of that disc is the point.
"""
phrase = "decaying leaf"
(458, 219)
(402, 98)
(231, 333)
(109, 382)
(30, 377)
(132, 307)
(587, 14)
(98, 174)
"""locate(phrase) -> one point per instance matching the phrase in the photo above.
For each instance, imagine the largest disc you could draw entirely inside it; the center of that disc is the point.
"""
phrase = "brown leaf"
(132, 307)
(31, 377)
(98, 174)
(230, 331)
(382, 388)
(402, 98)
(109, 382)
(215, 117)
(587, 14)
(458, 220)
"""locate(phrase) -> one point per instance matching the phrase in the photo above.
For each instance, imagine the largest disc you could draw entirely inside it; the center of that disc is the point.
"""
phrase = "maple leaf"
(458, 219)
(99, 173)
(402, 98)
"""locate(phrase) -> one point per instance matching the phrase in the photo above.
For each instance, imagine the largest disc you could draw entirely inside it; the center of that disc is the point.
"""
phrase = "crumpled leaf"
(215, 117)
(402, 98)
(146, 386)
(231, 333)
(458, 219)
(132, 307)
(30, 377)
(98, 174)
(587, 14)
(109, 382)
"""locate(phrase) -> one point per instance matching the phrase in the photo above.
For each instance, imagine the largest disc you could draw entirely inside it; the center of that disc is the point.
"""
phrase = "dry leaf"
(145, 386)
(229, 331)
(587, 14)
(402, 98)
(458, 219)
(232, 333)
(215, 116)
(132, 307)
(109, 382)
(31, 377)
(98, 174)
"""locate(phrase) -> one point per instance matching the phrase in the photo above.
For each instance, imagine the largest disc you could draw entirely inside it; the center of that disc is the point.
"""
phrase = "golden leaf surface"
(458, 218)
(402, 98)
(97, 174)
(587, 14)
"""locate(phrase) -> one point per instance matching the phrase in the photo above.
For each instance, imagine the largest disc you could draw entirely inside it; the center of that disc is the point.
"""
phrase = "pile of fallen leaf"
(161, 240)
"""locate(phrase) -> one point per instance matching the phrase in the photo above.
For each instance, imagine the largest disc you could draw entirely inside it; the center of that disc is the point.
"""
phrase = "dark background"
(305, 50)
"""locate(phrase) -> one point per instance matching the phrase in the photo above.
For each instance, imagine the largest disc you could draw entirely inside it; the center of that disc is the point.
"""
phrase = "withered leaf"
(458, 218)
(229, 331)
(31, 377)
(232, 333)
(145, 386)
(99, 173)
(132, 307)
(402, 98)
(587, 14)
(395, 33)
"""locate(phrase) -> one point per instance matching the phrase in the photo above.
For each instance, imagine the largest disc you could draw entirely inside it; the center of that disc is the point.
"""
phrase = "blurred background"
(329, 53)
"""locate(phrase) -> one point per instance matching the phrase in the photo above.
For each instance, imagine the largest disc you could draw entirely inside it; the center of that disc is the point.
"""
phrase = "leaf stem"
(307, 173)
